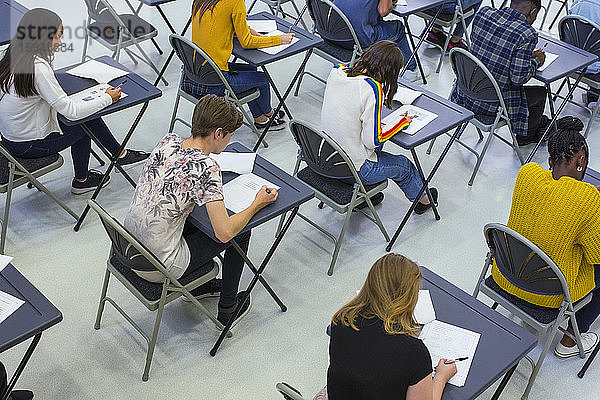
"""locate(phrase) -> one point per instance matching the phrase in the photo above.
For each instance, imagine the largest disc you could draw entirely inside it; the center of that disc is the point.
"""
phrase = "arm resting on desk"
(523, 64)
(385, 7)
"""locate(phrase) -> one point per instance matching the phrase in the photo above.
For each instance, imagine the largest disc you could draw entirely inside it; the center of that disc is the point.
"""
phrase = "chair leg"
(430, 147)
(338, 242)
(174, 115)
(299, 81)
(479, 133)
(377, 219)
(152, 342)
(594, 113)
(102, 302)
(86, 40)
(149, 61)
(251, 124)
(43, 188)
(577, 335)
(131, 56)
(251, 7)
(160, 51)
(11, 175)
(481, 155)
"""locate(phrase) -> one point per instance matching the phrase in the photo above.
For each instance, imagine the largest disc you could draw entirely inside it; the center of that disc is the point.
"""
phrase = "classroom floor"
(74, 361)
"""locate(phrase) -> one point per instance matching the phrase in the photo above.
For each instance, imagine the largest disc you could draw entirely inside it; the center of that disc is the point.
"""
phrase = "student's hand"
(287, 38)
(265, 196)
(409, 118)
(115, 93)
(444, 371)
(539, 53)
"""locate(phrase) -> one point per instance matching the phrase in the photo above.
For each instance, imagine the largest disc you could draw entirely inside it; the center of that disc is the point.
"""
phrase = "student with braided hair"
(561, 214)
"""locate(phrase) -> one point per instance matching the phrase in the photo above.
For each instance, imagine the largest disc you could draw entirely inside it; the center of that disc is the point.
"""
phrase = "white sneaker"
(588, 340)
(415, 75)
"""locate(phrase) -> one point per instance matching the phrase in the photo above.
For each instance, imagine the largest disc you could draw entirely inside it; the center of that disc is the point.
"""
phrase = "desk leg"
(281, 99)
(505, 380)
(113, 164)
(171, 55)
(21, 366)
(414, 55)
(422, 174)
(257, 277)
(457, 133)
(164, 17)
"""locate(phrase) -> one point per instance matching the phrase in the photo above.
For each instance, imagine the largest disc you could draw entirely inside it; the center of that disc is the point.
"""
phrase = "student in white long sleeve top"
(31, 98)
(351, 115)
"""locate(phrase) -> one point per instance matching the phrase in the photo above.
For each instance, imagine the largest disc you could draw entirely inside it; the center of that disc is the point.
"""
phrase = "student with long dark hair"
(31, 99)
(351, 115)
(215, 23)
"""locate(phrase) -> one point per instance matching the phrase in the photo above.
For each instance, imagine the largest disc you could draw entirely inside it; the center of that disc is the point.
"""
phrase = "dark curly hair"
(565, 143)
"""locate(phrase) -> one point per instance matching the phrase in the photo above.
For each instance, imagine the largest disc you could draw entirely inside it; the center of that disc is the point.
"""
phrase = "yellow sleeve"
(247, 40)
(589, 238)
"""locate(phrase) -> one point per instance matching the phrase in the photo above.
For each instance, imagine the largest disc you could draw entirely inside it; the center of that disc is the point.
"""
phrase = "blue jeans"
(394, 31)
(449, 8)
(591, 310)
(73, 137)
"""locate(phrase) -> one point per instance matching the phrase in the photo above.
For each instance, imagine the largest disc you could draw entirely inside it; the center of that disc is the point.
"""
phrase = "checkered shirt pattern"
(504, 42)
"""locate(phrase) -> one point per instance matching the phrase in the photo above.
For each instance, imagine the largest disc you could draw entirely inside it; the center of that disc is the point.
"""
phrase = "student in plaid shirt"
(504, 41)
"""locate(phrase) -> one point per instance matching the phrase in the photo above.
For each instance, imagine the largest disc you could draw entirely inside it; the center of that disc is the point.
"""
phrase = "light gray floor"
(73, 361)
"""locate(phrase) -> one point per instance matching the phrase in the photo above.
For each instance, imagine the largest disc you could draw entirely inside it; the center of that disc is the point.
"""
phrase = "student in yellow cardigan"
(561, 214)
(214, 24)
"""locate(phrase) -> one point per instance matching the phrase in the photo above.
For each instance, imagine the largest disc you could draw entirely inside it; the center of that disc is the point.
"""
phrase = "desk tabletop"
(450, 116)
(11, 13)
(137, 88)
(33, 317)
(153, 3)
(292, 193)
(592, 176)
(570, 59)
(414, 6)
(256, 57)
(502, 342)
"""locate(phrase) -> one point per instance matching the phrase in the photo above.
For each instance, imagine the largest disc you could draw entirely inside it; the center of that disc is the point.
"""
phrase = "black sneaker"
(525, 140)
(458, 45)
(436, 38)
(277, 125)
(211, 288)
(376, 199)
(91, 183)
(421, 208)
(21, 395)
(132, 157)
(225, 314)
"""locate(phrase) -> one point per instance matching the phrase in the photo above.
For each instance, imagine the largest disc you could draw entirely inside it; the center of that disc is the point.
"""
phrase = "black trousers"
(536, 102)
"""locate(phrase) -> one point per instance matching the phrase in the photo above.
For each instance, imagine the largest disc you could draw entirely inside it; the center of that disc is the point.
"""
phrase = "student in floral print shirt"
(178, 175)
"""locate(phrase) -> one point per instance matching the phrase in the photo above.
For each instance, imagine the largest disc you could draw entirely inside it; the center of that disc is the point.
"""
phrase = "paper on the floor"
(424, 311)
(240, 192)
(279, 48)
(448, 341)
(421, 118)
(8, 305)
(262, 25)
(4, 261)
(93, 93)
(98, 71)
(405, 95)
(240, 163)
(550, 57)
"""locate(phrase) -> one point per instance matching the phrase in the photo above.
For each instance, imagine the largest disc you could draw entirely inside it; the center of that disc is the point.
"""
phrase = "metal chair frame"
(288, 392)
(276, 6)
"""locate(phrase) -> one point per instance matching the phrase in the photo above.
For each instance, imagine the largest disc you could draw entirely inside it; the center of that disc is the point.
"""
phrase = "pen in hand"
(456, 360)
(121, 84)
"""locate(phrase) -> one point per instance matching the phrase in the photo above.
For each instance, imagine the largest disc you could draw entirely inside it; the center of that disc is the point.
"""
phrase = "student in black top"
(374, 350)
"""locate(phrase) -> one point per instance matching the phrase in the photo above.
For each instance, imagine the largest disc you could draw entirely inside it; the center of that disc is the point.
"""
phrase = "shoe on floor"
(21, 395)
(91, 183)
(415, 75)
(132, 157)
(588, 340)
(589, 97)
(277, 125)
(376, 199)
(458, 45)
(211, 288)
(525, 140)
(436, 38)
(225, 315)
(421, 208)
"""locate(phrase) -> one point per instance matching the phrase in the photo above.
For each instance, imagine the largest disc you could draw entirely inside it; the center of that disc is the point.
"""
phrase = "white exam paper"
(424, 311)
(448, 341)
(240, 163)
(279, 48)
(8, 305)
(262, 25)
(405, 95)
(550, 57)
(93, 93)
(401, 3)
(421, 118)
(4, 261)
(98, 71)
(240, 192)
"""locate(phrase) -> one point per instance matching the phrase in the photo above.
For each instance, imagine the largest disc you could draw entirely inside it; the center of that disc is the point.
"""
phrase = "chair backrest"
(331, 24)
(197, 64)
(523, 263)
(473, 78)
(100, 11)
(580, 32)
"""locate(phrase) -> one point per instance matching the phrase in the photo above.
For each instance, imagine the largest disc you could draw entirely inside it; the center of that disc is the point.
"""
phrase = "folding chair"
(276, 6)
(127, 255)
(118, 32)
(449, 21)
(475, 81)
(526, 266)
(15, 172)
(584, 34)
(340, 43)
(327, 164)
(200, 68)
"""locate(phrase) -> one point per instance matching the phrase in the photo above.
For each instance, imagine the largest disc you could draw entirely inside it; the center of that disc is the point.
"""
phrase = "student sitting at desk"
(351, 115)
(180, 175)
(560, 214)
(437, 36)
(374, 350)
(589, 9)
(215, 23)
(31, 98)
(504, 41)
(366, 17)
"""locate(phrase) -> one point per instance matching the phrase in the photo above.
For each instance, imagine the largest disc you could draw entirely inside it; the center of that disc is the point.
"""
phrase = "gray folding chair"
(327, 164)
(475, 81)
(15, 172)
(584, 34)
(199, 68)
(276, 6)
(118, 32)
(526, 266)
(288, 392)
(127, 255)
(340, 43)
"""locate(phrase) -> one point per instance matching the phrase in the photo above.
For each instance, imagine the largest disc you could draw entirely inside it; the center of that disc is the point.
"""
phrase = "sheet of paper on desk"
(424, 311)
(240, 192)
(4, 261)
(8, 305)
(421, 118)
(279, 48)
(401, 3)
(550, 57)
(93, 93)
(240, 163)
(98, 71)
(405, 95)
(448, 341)
(262, 25)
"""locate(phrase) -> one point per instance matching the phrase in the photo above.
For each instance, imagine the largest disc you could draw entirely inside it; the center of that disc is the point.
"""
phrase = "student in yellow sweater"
(561, 214)
(214, 24)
